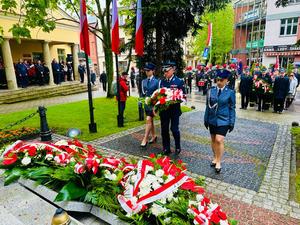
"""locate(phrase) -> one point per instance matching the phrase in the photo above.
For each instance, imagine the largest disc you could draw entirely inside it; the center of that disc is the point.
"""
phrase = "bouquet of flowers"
(162, 98)
(262, 87)
(151, 191)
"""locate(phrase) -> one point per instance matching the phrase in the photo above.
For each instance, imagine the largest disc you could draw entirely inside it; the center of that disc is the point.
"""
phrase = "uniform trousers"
(244, 100)
(167, 117)
(278, 104)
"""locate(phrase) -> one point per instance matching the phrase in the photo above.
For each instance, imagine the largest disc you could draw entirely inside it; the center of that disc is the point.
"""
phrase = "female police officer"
(149, 85)
(219, 115)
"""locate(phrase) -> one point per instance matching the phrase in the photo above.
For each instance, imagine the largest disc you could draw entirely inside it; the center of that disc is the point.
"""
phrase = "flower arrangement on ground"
(9, 136)
(151, 191)
(163, 98)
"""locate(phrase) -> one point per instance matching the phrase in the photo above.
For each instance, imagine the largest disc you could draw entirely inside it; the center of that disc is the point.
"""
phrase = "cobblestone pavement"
(248, 149)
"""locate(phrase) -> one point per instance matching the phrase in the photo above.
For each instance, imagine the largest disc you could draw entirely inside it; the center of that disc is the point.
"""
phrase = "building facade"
(58, 44)
(249, 30)
(282, 33)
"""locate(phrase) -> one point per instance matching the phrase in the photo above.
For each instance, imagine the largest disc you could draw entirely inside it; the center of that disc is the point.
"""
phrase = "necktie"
(148, 82)
(219, 92)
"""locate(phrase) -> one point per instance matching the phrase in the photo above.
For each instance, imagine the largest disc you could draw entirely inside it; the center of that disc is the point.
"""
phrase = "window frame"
(286, 25)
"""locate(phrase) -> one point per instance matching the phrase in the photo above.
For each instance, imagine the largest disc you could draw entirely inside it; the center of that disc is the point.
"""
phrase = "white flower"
(170, 197)
(157, 210)
(26, 161)
(190, 211)
(224, 222)
(159, 173)
(49, 157)
(133, 178)
(155, 185)
(148, 168)
(163, 200)
(167, 220)
(170, 177)
(72, 159)
(145, 183)
(199, 197)
(144, 191)
(193, 203)
(110, 176)
(61, 142)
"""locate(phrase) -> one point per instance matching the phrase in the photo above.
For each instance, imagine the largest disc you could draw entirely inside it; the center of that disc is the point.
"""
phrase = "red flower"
(222, 215)
(10, 159)
(78, 144)
(215, 218)
(162, 91)
(152, 155)
(32, 151)
(162, 101)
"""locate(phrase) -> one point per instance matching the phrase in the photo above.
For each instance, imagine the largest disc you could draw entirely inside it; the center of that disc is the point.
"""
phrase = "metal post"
(92, 125)
(120, 118)
(140, 104)
(45, 132)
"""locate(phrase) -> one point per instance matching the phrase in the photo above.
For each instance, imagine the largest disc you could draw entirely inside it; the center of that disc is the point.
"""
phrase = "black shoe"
(177, 151)
(144, 146)
(166, 152)
(218, 170)
(212, 164)
(154, 140)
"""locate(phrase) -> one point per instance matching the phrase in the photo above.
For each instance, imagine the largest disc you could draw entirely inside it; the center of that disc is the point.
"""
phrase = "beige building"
(58, 44)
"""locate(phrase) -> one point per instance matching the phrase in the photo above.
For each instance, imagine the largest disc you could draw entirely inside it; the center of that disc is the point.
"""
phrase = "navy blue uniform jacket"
(220, 111)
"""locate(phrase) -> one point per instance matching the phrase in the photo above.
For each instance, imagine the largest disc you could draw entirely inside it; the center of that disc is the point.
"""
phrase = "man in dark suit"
(245, 88)
(81, 71)
(40, 73)
(280, 89)
(103, 80)
(173, 113)
(266, 78)
(56, 71)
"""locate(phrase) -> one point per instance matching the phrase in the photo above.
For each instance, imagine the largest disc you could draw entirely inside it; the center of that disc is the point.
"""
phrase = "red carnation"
(152, 155)
(222, 215)
(32, 151)
(162, 91)
(162, 101)
(215, 218)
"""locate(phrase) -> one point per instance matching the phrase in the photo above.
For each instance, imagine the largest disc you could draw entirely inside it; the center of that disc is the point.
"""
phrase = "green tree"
(167, 23)
(222, 22)
(37, 13)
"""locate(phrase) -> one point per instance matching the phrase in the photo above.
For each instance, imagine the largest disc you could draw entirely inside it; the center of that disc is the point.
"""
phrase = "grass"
(296, 134)
(76, 115)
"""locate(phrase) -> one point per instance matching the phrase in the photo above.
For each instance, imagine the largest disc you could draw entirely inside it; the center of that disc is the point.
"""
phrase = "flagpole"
(120, 118)
(92, 125)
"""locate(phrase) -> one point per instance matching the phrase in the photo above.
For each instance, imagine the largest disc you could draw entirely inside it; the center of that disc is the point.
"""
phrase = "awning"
(282, 53)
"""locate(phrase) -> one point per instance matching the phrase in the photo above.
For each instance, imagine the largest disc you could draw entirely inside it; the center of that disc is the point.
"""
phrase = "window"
(289, 26)
(61, 54)
(294, 1)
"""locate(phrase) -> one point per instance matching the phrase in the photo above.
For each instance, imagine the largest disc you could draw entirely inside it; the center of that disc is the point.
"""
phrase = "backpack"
(114, 88)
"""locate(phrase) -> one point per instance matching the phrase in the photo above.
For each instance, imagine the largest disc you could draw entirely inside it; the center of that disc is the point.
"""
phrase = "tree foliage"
(167, 23)
(222, 21)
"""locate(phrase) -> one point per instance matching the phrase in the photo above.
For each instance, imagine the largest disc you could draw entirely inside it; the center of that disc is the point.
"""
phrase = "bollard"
(45, 132)
(61, 217)
(141, 111)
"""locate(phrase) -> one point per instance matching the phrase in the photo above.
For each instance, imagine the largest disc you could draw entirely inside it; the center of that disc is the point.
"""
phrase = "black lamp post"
(45, 131)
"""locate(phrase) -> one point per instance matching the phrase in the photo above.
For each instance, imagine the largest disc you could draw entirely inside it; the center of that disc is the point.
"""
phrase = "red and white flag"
(277, 63)
(115, 39)
(84, 29)
(209, 35)
(139, 35)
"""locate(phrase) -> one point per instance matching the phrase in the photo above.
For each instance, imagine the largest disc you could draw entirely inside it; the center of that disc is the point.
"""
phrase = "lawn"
(296, 134)
(76, 115)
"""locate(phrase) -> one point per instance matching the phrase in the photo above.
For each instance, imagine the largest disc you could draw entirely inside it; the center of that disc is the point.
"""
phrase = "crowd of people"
(261, 87)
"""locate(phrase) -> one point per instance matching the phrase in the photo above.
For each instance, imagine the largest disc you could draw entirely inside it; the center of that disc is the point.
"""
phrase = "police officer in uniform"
(149, 85)
(173, 113)
(219, 115)
(281, 90)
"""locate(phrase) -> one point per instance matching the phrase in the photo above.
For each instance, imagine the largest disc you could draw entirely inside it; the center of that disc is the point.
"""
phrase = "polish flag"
(209, 36)
(139, 35)
(115, 39)
(276, 66)
(84, 29)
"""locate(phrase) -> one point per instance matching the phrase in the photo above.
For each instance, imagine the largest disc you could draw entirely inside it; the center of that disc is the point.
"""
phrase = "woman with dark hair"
(149, 85)
(219, 115)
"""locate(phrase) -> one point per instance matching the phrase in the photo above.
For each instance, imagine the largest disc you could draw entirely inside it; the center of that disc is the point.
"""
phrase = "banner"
(115, 39)
(139, 35)
(84, 29)
(205, 53)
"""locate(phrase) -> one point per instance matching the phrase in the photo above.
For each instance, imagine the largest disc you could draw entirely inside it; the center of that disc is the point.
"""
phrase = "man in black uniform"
(280, 89)
(245, 88)
(103, 80)
(173, 113)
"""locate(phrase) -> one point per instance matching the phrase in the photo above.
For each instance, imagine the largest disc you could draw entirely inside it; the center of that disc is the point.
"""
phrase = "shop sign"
(281, 48)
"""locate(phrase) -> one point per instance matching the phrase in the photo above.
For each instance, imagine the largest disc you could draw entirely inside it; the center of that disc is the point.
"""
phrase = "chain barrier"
(20, 121)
